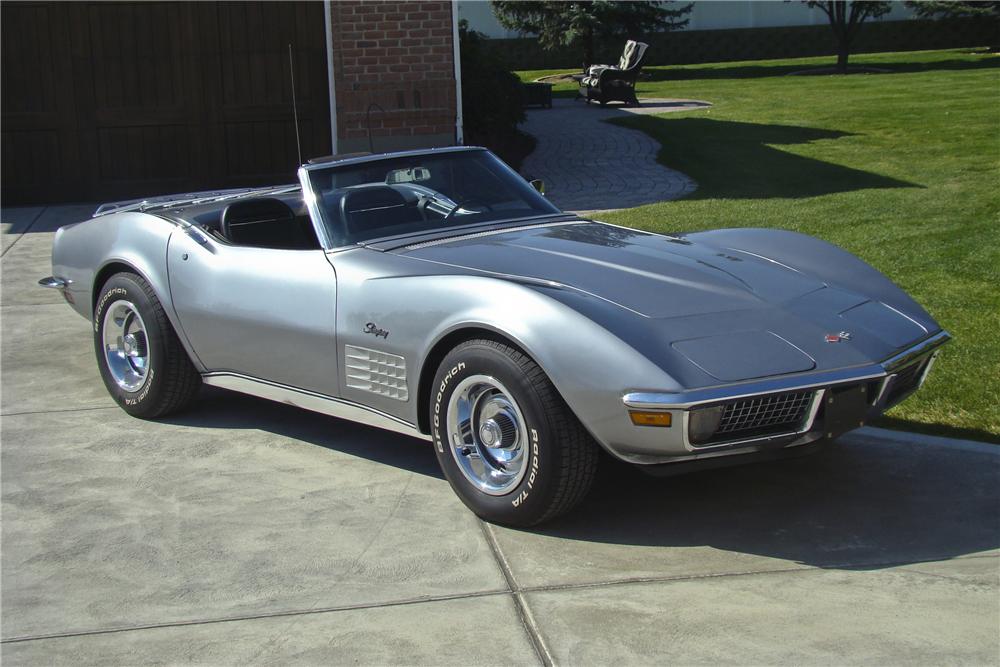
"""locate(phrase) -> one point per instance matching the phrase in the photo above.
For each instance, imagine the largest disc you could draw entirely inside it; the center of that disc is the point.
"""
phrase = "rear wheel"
(143, 364)
(507, 442)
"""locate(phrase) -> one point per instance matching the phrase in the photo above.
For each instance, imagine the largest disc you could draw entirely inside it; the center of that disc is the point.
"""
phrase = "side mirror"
(539, 185)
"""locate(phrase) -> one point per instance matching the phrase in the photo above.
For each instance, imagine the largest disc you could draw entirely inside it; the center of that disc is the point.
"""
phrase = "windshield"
(420, 193)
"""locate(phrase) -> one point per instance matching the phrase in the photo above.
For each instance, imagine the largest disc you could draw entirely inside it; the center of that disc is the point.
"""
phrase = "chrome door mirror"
(539, 185)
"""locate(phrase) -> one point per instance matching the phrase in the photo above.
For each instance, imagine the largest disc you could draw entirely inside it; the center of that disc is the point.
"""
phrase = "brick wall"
(400, 56)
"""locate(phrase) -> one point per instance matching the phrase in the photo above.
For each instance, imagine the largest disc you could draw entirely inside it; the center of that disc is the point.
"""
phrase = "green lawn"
(901, 168)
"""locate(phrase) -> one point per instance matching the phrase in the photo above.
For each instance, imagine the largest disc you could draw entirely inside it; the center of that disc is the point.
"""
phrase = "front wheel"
(507, 442)
(143, 364)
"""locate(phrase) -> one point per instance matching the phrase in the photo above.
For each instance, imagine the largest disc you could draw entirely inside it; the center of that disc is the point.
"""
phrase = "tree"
(846, 19)
(954, 9)
(957, 9)
(579, 24)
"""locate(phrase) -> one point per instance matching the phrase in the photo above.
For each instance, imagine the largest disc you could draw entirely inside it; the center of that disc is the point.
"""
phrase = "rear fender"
(87, 253)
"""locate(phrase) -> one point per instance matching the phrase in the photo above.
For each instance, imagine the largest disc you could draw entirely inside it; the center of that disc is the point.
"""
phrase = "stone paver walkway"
(590, 165)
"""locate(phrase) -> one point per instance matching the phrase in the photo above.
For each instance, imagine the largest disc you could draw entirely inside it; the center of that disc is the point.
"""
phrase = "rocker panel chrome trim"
(327, 405)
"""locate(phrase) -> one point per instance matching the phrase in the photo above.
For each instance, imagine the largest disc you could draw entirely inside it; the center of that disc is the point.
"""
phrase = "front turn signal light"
(650, 418)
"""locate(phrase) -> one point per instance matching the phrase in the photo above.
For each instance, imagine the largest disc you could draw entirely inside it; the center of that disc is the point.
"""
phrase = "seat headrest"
(260, 221)
(372, 197)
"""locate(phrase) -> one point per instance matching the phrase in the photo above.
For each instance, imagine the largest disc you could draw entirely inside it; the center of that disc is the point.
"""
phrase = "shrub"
(492, 98)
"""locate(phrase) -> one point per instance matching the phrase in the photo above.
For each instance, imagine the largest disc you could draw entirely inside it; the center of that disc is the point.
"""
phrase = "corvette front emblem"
(837, 337)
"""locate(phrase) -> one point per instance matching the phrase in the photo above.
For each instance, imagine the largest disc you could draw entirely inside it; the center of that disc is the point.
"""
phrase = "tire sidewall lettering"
(534, 458)
(436, 416)
(149, 389)
(534, 480)
(532, 473)
(556, 458)
(115, 291)
(144, 392)
(171, 381)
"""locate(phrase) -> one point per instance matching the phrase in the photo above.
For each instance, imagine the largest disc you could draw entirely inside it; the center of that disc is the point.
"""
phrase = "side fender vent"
(378, 372)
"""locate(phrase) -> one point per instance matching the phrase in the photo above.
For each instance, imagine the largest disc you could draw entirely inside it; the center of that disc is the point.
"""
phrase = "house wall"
(732, 14)
(705, 15)
(394, 74)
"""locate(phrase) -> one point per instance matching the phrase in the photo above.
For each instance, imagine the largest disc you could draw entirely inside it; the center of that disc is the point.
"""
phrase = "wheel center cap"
(489, 433)
(129, 344)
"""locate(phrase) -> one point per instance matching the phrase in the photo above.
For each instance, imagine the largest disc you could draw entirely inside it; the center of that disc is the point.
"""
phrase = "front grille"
(904, 382)
(762, 416)
(764, 412)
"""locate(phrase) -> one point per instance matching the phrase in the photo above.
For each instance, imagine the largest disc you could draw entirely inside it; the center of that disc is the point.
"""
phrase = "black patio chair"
(606, 83)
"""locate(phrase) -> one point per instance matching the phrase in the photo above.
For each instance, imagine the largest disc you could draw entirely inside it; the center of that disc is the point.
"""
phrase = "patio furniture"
(606, 83)
(538, 94)
(623, 62)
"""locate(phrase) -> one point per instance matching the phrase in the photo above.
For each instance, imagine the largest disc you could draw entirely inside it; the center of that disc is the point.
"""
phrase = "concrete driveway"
(249, 532)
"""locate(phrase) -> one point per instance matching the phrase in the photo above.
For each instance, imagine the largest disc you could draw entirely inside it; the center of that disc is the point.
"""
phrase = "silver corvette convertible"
(437, 294)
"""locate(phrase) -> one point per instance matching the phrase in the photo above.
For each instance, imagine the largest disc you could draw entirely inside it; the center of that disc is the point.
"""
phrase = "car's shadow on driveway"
(221, 409)
(858, 503)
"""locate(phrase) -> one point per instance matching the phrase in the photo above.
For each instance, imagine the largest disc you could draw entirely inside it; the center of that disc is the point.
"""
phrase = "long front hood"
(704, 314)
(655, 276)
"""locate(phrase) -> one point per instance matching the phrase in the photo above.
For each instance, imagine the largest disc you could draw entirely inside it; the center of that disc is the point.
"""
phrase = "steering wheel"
(463, 202)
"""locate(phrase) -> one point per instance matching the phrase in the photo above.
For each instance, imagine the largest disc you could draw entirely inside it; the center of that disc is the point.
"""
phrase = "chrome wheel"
(487, 435)
(126, 349)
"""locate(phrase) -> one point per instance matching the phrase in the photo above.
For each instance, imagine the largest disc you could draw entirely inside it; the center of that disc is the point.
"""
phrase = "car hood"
(702, 312)
(652, 275)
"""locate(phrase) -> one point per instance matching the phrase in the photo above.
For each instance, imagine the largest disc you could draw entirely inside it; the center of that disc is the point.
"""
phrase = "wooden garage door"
(105, 101)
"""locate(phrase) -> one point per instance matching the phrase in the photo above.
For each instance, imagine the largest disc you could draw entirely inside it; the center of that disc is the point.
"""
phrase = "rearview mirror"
(412, 175)
(539, 185)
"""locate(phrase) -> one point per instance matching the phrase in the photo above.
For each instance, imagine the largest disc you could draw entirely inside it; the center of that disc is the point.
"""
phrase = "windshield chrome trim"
(312, 206)
(334, 161)
(325, 235)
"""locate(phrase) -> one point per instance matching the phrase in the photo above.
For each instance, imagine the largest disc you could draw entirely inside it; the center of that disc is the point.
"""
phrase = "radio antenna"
(295, 106)
(368, 120)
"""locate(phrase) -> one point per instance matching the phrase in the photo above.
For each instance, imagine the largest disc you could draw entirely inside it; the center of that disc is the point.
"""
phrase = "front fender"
(816, 257)
(590, 367)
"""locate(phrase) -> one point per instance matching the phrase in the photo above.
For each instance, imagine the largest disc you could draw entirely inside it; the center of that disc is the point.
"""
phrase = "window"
(421, 193)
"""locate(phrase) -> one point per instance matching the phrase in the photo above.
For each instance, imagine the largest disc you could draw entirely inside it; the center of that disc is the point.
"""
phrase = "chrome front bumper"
(874, 380)
(54, 283)
(61, 284)
(689, 399)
